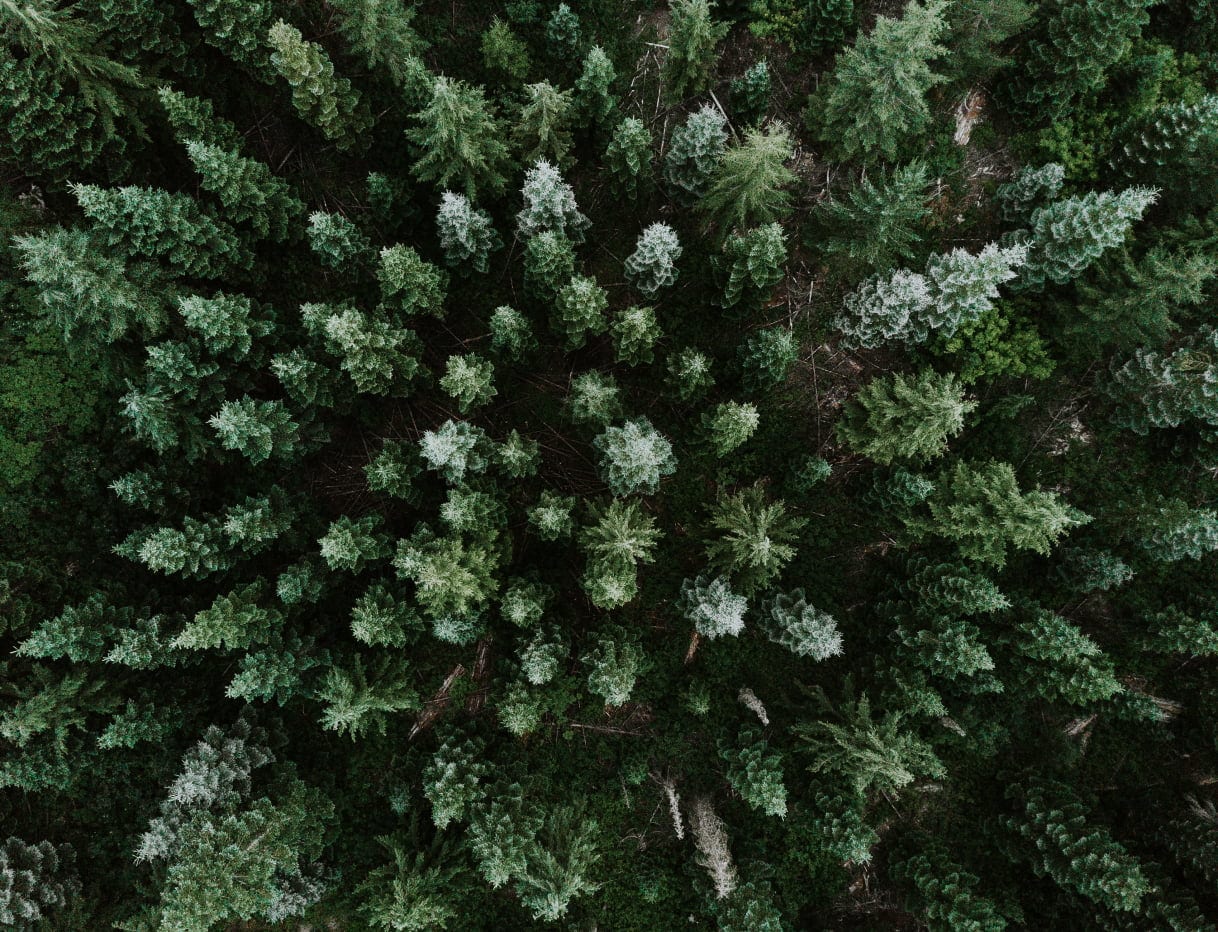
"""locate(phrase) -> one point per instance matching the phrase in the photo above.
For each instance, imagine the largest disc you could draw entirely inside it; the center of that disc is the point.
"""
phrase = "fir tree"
(502, 832)
(452, 781)
(379, 617)
(321, 98)
(756, 537)
(1030, 190)
(247, 189)
(880, 224)
(712, 606)
(37, 881)
(826, 25)
(965, 286)
(518, 456)
(729, 425)
(393, 471)
(594, 399)
(549, 263)
(376, 355)
(981, 509)
(692, 54)
(788, 620)
(652, 265)
(466, 234)
(239, 30)
(635, 332)
(1064, 664)
(1069, 235)
(621, 538)
(694, 151)
(689, 373)
(413, 894)
(542, 132)
(459, 139)
(615, 663)
(354, 702)
(893, 417)
(256, 429)
(1173, 531)
(350, 545)
(541, 657)
(511, 333)
(628, 158)
(948, 894)
(593, 88)
(751, 92)
(1153, 390)
(550, 518)
(382, 33)
(227, 323)
(1171, 141)
(754, 261)
(1080, 856)
(455, 448)
(558, 864)
(337, 240)
(1075, 44)
(470, 380)
(409, 283)
(634, 457)
(549, 205)
(877, 98)
(453, 579)
(766, 357)
(580, 311)
(747, 185)
(755, 773)
(886, 308)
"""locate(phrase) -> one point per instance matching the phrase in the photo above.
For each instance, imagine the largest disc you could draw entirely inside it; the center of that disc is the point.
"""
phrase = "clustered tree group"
(621, 465)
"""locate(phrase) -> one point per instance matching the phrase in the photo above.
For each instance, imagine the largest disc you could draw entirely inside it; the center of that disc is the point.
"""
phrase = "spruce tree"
(788, 620)
(712, 606)
(634, 457)
(579, 310)
(635, 333)
(730, 425)
(549, 205)
(895, 417)
(877, 98)
(755, 540)
(754, 261)
(247, 189)
(755, 772)
(1069, 235)
(593, 88)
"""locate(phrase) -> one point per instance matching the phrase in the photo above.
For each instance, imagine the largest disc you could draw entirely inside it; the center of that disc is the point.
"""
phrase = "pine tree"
(694, 151)
(729, 425)
(635, 333)
(257, 430)
(579, 311)
(965, 285)
(1075, 44)
(652, 265)
(1080, 856)
(616, 662)
(594, 399)
(467, 235)
(788, 620)
(886, 308)
(894, 417)
(247, 189)
(634, 457)
(337, 240)
(755, 773)
(712, 606)
(746, 188)
(321, 98)
(877, 98)
(628, 158)
(981, 509)
(756, 538)
(549, 205)
(542, 132)
(1173, 531)
(470, 380)
(754, 261)
(382, 33)
(594, 88)
(1069, 235)
(409, 284)
(947, 894)
(692, 54)
(459, 139)
(451, 782)
(160, 224)
(766, 358)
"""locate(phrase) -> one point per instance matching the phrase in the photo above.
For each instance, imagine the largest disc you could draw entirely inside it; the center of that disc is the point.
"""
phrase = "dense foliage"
(609, 465)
